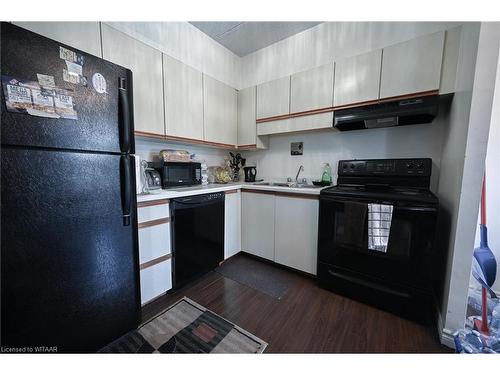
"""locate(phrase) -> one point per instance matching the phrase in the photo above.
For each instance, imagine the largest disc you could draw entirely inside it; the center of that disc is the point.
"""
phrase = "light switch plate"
(296, 148)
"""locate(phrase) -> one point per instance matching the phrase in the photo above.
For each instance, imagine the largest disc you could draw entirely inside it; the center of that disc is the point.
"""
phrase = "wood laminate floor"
(308, 319)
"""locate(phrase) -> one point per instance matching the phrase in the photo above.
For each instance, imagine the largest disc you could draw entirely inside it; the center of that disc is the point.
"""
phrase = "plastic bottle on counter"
(326, 177)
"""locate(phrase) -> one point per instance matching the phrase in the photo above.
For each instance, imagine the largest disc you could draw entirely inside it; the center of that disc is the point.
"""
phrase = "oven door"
(343, 241)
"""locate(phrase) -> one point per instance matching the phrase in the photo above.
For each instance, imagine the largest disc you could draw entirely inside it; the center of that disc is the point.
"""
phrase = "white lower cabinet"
(232, 223)
(154, 249)
(156, 280)
(296, 232)
(154, 242)
(281, 228)
(257, 222)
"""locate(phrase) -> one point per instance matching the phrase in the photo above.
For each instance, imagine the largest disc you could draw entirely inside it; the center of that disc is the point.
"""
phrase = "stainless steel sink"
(290, 185)
(283, 184)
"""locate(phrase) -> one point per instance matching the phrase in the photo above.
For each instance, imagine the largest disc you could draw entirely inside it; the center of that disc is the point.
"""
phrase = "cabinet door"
(156, 280)
(154, 242)
(219, 107)
(232, 224)
(296, 233)
(257, 223)
(183, 99)
(273, 127)
(85, 36)
(357, 78)
(312, 89)
(413, 66)
(247, 127)
(311, 122)
(273, 98)
(146, 65)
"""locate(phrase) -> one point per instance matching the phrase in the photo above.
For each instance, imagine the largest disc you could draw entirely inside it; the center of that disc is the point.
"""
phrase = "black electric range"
(398, 278)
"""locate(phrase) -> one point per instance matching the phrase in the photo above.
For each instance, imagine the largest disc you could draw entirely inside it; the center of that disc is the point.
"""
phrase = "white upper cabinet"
(146, 65)
(85, 36)
(219, 106)
(247, 127)
(413, 66)
(312, 89)
(273, 98)
(183, 99)
(357, 78)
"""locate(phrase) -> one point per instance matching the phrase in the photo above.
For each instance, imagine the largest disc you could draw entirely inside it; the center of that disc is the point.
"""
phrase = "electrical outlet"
(296, 148)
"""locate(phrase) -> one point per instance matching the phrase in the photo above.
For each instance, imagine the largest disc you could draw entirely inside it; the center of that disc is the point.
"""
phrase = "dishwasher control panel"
(218, 195)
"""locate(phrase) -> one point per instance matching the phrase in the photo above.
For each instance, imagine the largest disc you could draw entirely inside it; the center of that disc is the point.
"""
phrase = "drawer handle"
(152, 203)
(153, 223)
(155, 261)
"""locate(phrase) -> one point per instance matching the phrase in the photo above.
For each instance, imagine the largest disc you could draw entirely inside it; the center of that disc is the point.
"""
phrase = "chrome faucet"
(301, 168)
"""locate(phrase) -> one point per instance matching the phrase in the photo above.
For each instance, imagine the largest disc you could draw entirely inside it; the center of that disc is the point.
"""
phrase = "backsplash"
(331, 146)
(149, 150)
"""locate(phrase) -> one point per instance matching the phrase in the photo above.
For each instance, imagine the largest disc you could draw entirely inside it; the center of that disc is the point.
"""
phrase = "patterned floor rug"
(187, 327)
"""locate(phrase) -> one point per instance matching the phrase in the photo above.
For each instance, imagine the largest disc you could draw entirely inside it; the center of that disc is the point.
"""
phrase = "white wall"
(149, 150)
(186, 43)
(462, 163)
(331, 146)
(493, 182)
(327, 42)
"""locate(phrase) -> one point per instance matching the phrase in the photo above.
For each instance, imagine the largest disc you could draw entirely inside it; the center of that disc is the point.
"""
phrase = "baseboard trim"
(444, 334)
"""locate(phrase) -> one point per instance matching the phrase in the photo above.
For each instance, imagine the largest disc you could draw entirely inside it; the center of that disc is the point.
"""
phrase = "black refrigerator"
(69, 247)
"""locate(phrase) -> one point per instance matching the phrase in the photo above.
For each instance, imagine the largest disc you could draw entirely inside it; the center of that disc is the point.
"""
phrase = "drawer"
(156, 280)
(147, 211)
(154, 241)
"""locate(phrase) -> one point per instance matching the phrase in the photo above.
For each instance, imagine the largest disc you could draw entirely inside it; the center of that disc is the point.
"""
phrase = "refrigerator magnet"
(99, 83)
(64, 105)
(46, 81)
(69, 55)
(17, 95)
(71, 77)
(43, 103)
(74, 68)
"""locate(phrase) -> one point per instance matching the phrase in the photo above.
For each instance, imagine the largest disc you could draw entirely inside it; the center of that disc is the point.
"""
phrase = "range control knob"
(420, 166)
(409, 166)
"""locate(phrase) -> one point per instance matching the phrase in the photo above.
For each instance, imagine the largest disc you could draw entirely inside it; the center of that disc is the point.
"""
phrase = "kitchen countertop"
(213, 188)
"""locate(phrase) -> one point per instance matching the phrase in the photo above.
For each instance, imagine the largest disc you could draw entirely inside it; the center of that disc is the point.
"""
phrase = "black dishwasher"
(197, 236)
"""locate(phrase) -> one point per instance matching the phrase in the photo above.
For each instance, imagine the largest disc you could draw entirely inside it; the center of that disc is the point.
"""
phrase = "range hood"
(402, 112)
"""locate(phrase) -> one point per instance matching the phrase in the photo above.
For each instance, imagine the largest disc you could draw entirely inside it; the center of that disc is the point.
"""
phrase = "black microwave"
(177, 173)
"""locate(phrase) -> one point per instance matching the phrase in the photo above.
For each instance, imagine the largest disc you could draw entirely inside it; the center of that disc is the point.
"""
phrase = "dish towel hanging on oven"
(379, 226)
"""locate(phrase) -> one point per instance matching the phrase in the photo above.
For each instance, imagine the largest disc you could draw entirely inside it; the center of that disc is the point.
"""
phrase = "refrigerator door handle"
(126, 188)
(125, 118)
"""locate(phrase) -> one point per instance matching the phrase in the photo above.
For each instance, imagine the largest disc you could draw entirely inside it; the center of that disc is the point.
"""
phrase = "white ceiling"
(243, 38)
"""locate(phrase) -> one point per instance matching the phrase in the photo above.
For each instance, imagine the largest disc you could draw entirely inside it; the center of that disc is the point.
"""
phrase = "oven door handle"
(416, 209)
(369, 284)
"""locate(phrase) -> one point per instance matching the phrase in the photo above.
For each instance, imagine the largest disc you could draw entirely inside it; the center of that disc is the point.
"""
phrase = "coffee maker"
(250, 174)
